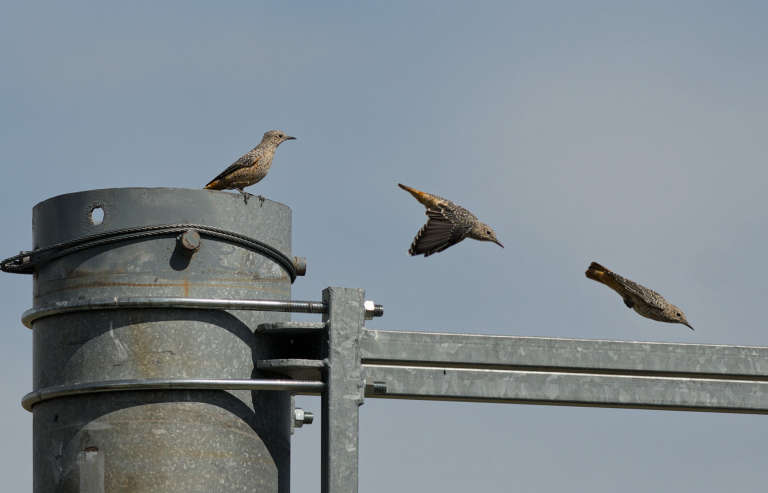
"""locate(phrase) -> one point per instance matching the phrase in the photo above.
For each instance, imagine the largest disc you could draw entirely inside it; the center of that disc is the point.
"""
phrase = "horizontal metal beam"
(564, 355)
(296, 386)
(574, 389)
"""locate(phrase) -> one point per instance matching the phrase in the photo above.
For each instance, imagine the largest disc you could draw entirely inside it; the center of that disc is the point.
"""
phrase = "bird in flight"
(644, 301)
(447, 225)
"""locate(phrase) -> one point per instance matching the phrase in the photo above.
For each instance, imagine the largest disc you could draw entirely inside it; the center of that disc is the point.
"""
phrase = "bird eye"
(487, 231)
(678, 314)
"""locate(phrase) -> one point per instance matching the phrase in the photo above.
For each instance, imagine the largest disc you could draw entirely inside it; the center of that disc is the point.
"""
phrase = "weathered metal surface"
(344, 390)
(578, 389)
(190, 441)
(549, 354)
(169, 440)
(133, 266)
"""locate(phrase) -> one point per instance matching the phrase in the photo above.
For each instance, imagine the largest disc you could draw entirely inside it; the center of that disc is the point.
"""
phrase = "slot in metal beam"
(572, 389)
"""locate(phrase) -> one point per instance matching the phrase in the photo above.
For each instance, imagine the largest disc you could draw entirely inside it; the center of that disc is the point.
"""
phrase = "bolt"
(190, 240)
(372, 310)
(302, 417)
(300, 264)
(378, 387)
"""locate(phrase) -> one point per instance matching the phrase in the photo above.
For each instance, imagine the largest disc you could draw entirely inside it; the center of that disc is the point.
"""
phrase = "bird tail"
(214, 185)
(428, 200)
(605, 276)
(597, 272)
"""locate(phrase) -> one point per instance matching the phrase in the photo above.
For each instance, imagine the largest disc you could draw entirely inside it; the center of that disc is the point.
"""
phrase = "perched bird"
(252, 166)
(447, 225)
(644, 301)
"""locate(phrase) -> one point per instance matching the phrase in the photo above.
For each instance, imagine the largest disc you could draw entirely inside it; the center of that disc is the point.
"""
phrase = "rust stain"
(186, 288)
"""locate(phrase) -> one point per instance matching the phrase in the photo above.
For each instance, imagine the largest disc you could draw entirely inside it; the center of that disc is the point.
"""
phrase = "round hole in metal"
(96, 215)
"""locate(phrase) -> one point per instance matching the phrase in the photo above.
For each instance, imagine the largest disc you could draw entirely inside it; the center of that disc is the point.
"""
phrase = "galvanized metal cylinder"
(160, 440)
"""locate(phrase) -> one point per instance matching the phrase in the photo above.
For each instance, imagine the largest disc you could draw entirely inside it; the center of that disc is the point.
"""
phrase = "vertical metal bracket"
(344, 390)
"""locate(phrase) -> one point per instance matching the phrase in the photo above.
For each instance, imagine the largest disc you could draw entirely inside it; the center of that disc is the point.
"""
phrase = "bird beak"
(288, 137)
(689, 325)
(498, 243)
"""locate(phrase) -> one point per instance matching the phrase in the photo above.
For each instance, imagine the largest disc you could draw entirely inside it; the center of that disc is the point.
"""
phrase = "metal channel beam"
(343, 392)
(564, 355)
(576, 389)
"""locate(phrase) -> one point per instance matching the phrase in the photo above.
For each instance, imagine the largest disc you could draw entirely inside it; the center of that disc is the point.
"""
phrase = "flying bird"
(447, 225)
(644, 301)
(252, 166)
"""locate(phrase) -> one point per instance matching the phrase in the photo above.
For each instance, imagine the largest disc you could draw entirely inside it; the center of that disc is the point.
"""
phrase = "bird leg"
(245, 195)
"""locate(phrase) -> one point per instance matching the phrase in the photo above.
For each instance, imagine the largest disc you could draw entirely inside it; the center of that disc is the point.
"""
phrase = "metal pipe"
(144, 309)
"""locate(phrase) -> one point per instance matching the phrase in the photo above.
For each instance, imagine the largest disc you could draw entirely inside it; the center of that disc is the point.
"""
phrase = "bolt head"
(190, 240)
(302, 417)
(372, 309)
(300, 263)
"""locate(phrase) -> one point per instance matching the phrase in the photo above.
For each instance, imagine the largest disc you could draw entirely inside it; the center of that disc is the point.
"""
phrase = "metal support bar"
(564, 355)
(297, 386)
(33, 314)
(29, 316)
(344, 390)
(575, 389)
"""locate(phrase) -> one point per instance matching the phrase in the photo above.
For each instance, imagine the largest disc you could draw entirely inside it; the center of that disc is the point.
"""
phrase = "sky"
(629, 133)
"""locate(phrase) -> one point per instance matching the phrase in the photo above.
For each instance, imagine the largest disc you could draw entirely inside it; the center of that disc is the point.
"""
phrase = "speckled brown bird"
(644, 301)
(252, 166)
(447, 225)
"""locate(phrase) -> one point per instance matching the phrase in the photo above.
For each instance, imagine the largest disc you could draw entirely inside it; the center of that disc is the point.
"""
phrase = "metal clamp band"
(300, 386)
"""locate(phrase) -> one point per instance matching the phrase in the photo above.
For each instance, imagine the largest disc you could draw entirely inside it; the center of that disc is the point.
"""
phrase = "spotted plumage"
(644, 301)
(251, 167)
(447, 225)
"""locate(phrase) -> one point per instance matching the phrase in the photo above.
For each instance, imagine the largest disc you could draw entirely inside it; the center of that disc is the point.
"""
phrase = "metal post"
(170, 439)
(344, 390)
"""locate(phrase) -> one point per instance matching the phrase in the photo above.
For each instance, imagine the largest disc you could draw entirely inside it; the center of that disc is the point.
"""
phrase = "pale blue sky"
(632, 133)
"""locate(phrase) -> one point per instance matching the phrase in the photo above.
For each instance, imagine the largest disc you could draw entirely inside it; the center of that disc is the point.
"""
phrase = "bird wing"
(651, 298)
(441, 231)
(245, 161)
